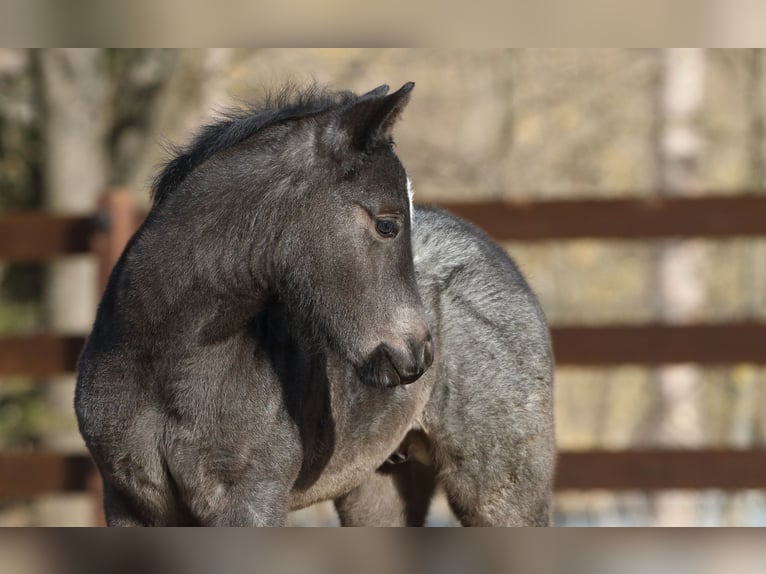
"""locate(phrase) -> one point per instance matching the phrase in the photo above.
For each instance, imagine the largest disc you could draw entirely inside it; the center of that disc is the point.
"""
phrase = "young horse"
(254, 349)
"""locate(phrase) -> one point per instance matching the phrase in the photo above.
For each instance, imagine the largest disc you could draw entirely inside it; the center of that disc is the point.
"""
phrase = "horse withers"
(268, 340)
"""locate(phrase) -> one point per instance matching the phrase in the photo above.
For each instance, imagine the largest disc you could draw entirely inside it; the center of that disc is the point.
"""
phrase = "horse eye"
(387, 227)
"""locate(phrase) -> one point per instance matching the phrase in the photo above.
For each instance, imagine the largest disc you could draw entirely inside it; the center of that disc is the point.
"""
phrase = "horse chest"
(366, 426)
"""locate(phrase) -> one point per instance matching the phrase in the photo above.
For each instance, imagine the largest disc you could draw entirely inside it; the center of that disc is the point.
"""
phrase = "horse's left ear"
(370, 119)
(376, 122)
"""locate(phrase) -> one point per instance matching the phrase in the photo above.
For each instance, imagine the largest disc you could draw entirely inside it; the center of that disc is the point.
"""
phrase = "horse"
(284, 328)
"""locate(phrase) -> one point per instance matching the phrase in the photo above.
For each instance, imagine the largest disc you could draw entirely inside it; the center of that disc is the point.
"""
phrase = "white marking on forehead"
(410, 195)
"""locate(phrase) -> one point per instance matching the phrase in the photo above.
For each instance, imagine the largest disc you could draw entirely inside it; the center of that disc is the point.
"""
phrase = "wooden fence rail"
(39, 355)
(45, 355)
(35, 236)
(661, 469)
(38, 236)
(653, 344)
(655, 218)
(33, 474)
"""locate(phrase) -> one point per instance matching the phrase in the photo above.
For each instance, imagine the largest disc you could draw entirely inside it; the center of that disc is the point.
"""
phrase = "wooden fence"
(38, 237)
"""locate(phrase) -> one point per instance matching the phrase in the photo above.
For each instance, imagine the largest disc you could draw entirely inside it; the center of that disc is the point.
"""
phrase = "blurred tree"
(20, 174)
(138, 78)
(678, 290)
(746, 382)
(76, 105)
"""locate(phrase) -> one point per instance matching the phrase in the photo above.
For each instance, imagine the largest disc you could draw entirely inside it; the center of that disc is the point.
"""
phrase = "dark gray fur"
(254, 347)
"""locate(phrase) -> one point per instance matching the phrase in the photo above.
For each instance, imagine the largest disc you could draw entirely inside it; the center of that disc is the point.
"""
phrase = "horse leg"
(502, 489)
(375, 502)
(416, 484)
(256, 499)
(497, 506)
(118, 510)
(496, 458)
(253, 503)
(228, 491)
(395, 495)
(250, 502)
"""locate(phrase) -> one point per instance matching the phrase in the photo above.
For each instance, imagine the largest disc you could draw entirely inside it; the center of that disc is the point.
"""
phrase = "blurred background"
(570, 130)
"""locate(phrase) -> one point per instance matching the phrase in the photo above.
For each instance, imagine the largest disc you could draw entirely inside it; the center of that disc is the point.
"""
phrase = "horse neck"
(204, 278)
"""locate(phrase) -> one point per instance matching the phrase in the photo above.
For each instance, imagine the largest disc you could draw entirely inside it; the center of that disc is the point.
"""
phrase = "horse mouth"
(409, 379)
(391, 380)
(381, 371)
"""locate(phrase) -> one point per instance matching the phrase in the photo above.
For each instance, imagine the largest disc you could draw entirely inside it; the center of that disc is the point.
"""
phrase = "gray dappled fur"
(262, 346)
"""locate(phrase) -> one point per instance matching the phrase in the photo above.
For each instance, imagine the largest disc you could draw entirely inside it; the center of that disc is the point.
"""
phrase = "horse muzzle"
(391, 366)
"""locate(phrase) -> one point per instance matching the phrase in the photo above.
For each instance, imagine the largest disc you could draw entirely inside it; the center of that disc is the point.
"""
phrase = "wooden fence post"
(114, 224)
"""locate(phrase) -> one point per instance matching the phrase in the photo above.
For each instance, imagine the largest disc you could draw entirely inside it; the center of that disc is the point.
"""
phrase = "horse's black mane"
(237, 125)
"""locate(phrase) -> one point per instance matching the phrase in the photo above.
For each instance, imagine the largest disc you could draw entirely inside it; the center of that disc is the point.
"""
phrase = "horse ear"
(370, 119)
(378, 92)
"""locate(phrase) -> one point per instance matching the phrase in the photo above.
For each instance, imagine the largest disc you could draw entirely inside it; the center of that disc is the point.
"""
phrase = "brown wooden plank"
(654, 344)
(43, 355)
(37, 236)
(658, 469)
(29, 236)
(741, 215)
(119, 221)
(32, 474)
(39, 355)
(35, 473)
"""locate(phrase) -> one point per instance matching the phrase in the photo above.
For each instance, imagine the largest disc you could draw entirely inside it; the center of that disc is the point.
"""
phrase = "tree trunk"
(678, 290)
(746, 381)
(76, 98)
